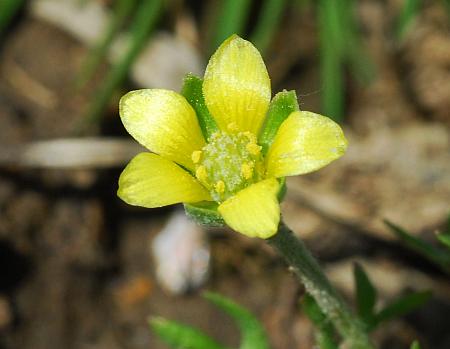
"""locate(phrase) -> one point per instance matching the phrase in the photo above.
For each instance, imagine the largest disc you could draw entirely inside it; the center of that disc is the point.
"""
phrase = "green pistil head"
(228, 163)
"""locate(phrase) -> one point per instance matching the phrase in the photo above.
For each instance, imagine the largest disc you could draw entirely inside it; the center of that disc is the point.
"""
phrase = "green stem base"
(317, 285)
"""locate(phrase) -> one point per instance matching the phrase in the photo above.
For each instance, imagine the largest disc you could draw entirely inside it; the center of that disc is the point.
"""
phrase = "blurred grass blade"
(325, 330)
(366, 294)
(444, 239)
(360, 63)
(268, 21)
(331, 57)
(145, 19)
(8, 9)
(407, 15)
(252, 333)
(231, 19)
(302, 4)
(402, 306)
(281, 106)
(415, 345)
(428, 250)
(181, 336)
(193, 91)
(122, 9)
(447, 6)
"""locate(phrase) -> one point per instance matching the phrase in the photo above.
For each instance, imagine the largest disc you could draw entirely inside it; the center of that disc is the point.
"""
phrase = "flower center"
(228, 163)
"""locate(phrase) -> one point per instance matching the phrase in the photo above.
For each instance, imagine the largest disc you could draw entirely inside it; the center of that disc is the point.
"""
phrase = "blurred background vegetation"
(79, 269)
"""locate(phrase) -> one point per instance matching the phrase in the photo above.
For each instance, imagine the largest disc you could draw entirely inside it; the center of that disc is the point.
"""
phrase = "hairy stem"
(317, 285)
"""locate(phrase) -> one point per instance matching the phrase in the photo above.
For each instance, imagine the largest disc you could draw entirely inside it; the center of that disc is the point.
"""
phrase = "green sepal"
(281, 106)
(193, 92)
(282, 190)
(205, 213)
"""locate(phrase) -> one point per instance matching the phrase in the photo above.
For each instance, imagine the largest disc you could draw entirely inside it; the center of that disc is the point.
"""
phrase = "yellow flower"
(229, 167)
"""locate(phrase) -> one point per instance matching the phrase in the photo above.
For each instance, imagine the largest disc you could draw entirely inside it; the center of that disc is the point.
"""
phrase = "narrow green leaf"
(267, 23)
(447, 6)
(428, 250)
(205, 213)
(252, 333)
(408, 14)
(366, 295)
(145, 19)
(415, 345)
(281, 106)
(193, 91)
(325, 330)
(179, 336)
(353, 51)
(444, 239)
(331, 59)
(230, 20)
(313, 311)
(402, 306)
(122, 9)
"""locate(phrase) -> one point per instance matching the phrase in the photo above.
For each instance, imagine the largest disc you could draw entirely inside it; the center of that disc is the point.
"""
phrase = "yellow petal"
(149, 180)
(164, 122)
(236, 86)
(304, 143)
(254, 211)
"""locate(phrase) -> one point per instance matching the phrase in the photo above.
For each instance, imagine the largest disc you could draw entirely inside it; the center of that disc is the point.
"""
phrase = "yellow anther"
(232, 126)
(196, 156)
(247, 170)
(201, 174)
(253, 148)
(250, 136)
(220, 187)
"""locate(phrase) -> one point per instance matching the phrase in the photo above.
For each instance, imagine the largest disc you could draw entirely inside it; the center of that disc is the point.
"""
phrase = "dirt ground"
(76, 269)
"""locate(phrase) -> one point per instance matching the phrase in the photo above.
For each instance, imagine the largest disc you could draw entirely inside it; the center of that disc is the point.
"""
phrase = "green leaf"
(402, 306)
(415, 345)
(204, 213)
(313, 311)
(193, 91)
(434, 254)
(281, 106)
(252, 333)
(8, 9)
(179, 336)
(332, 46)
(444, 239)
(325, 330)
(366, 295)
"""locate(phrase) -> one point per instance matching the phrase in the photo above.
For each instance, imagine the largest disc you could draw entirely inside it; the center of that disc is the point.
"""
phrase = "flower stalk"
(318, 286)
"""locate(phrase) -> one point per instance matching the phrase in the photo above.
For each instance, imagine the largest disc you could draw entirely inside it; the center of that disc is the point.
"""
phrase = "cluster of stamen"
(228, 163)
